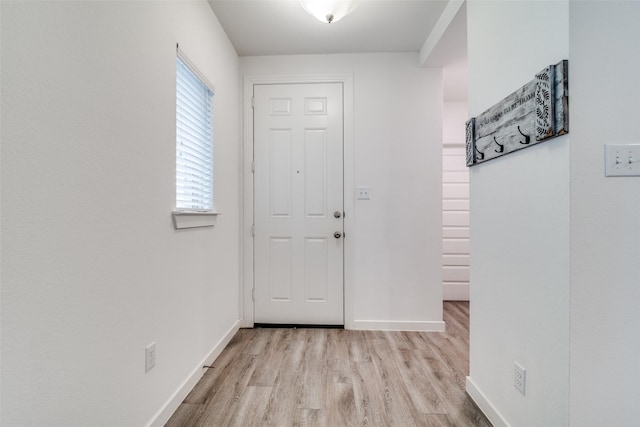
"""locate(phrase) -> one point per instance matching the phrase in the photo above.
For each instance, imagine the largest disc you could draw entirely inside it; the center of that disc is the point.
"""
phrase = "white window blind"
(194, 140)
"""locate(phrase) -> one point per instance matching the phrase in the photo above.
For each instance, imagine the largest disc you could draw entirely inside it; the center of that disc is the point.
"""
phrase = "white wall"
(519, 225)
(454, 116)
(92, 269)
(605, 215)
(396, 269)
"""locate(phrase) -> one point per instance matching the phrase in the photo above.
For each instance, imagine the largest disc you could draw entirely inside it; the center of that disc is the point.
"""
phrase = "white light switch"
(362, 193)
(622, 160)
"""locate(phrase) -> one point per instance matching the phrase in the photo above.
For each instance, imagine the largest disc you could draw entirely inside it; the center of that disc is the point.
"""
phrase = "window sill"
(194, 219)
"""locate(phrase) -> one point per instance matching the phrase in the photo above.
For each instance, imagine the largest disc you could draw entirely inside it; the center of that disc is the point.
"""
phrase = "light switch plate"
(362, 193)
(622, 160)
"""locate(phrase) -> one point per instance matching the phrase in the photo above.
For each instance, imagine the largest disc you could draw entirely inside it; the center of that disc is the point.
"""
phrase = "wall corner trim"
(485, 405)
(166, 411)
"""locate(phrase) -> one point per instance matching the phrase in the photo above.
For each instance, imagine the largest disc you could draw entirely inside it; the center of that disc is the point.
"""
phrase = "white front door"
(298, 205)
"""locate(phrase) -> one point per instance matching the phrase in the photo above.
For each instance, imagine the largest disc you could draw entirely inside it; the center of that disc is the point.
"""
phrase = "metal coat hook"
(480, 154)
(501, 149)
(527, 138)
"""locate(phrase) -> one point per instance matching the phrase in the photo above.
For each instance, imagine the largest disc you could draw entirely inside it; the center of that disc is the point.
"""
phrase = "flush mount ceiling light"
(329, 11)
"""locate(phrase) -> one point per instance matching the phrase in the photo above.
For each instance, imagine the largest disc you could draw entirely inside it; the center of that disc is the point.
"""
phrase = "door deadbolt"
(337, 214)
(337, 234)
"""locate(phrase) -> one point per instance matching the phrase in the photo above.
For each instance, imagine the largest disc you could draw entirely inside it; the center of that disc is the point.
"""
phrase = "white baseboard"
(398, 325)
(485, 405)
(163, 415)
(455, 291)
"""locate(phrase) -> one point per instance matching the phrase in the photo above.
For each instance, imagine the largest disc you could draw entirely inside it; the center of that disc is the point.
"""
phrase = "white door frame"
(246, 290)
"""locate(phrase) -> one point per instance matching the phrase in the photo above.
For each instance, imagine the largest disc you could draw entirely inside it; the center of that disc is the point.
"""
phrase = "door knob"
(337, 234)
(337, 214)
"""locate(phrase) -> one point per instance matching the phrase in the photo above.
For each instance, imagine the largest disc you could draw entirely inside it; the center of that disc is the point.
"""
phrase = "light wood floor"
(338, 378)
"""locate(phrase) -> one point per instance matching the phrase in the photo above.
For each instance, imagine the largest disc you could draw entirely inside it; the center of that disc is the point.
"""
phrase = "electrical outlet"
(519, 377)
(149, 357)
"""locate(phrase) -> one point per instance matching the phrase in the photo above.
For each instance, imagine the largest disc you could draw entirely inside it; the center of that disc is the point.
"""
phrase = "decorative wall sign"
(536, 112)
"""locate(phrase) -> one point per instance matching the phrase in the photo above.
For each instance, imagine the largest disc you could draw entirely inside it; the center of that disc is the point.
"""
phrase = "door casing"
(246, 238)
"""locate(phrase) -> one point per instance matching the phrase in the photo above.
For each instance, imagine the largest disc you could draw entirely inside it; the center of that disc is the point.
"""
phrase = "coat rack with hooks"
(536, 112)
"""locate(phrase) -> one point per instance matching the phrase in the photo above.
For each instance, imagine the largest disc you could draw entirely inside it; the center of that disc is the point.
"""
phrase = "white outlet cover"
(149, 357)
(519, 377)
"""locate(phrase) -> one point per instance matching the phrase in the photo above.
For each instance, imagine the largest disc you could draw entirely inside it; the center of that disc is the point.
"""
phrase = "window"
(194, 140)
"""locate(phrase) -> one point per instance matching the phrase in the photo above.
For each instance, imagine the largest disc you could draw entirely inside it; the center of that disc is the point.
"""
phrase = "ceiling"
(282, 27)
(451, 54)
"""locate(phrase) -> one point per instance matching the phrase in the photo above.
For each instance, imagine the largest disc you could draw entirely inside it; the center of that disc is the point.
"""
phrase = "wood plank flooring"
(338, 378)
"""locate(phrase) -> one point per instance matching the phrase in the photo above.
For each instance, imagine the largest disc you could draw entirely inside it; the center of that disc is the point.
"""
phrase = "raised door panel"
(280, 185)
(315, 170)
(280, 268)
